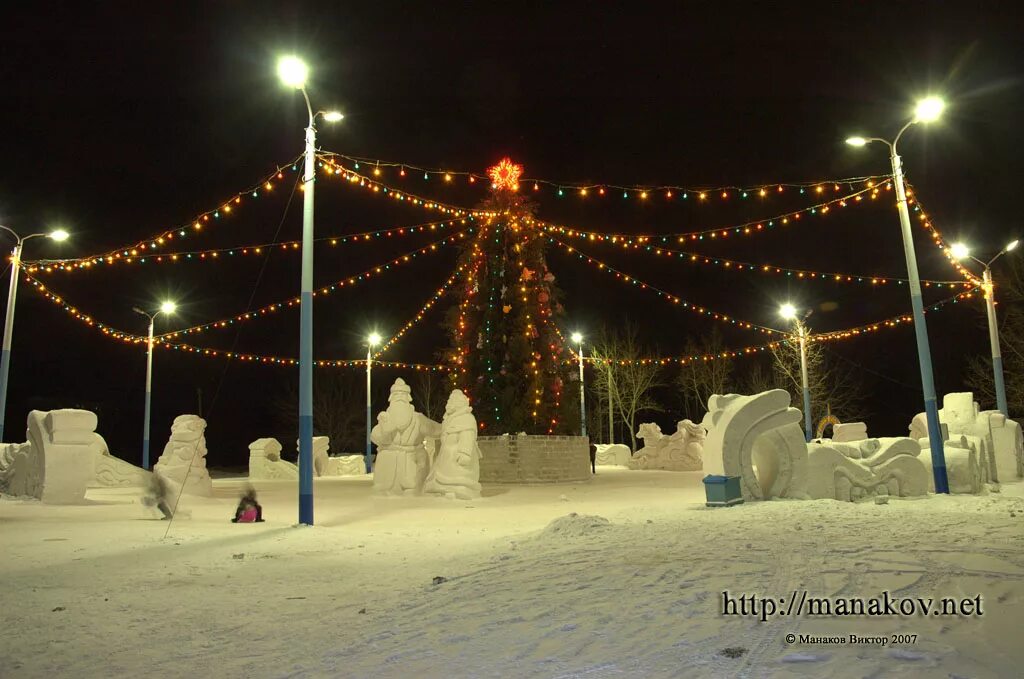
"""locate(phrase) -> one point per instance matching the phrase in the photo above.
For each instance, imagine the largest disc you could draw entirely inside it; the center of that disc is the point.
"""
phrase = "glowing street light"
(927, 110)
(577, 339)
(12, 296)
(789, 312)
(371, 341)
(294, 73)
(961, 251)
(167, 308)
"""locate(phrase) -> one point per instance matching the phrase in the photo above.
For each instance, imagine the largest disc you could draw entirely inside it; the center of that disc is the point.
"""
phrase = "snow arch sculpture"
(758, 439)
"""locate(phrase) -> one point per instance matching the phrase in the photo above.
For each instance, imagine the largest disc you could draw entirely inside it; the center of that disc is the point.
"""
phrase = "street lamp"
(927, 110)
(294, 73)
(961, 251)
(577, 339)
(5, 357)
(371, 341)
(167, 308)
(789, 312)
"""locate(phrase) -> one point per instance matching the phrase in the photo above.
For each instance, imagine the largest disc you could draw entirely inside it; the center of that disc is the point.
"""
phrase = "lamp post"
(577, 338)
(788, 311)
(165, 308)
(960, 251)
(12, 294)
(372, 341)
(294, 72)
(927, 110)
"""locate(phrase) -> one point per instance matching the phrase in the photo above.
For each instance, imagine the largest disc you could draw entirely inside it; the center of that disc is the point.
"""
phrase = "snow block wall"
(534, 459)
(353, 464)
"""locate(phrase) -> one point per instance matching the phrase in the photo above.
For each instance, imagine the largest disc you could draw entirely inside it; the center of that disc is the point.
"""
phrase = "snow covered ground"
(98, 591)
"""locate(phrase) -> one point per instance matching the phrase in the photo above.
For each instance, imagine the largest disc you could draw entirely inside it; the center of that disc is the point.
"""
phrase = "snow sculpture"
(1009, 446)
(960, 414)
(400, 432)
(183, 461)
(758, 439)
(345, 465)
(456, 469)
(851, 471)
(57, 463)
(963, 472)
(849, 431)
(321, 444)
(112, 472)
(613, 454)
(265, 461)
(681, 452)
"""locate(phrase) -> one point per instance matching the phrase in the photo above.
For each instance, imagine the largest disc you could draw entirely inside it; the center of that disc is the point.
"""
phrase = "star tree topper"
(505, 175)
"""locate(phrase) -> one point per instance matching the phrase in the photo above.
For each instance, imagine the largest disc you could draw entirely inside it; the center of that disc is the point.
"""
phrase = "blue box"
(722, 491)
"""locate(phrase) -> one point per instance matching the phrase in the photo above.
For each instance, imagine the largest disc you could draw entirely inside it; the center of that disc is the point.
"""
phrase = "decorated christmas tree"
(507, 352)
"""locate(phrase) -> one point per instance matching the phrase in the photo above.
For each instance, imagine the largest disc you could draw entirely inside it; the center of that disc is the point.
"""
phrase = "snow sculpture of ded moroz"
(57, 463)
(683, 451)
(400, 435)
(183, 461)
(758, 438)
(456, 469)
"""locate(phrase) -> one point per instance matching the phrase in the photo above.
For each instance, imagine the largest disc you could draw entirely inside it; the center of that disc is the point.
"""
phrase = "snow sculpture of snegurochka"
(183, 462)
(759, 439)
(683, 451)
(400, 435)
(57, 464)
(455, 471)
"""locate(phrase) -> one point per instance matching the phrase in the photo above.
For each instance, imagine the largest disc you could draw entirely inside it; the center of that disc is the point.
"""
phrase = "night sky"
(120, 123)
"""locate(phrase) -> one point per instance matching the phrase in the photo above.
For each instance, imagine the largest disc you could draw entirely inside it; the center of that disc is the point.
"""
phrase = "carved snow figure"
(183, 461)
(758, 439)
(115, 472)
(1009, 444)
(683, 451)
(849, 431)
(456, 469)
(851, 471)
(613, 454)
(57, 463)
(960, 414)
(265, 461)
(400, 434)
(321, 445)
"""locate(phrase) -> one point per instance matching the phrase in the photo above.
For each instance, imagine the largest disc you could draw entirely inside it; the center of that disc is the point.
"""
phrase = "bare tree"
(339, 409)
(430, 391)
(700, 378)
(837, 389)
(632, 380)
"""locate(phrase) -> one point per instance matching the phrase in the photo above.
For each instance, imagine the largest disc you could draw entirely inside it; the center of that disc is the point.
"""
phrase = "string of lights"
(221, 254)
(356, 179)
(770, 269)
(196, 225)
(347, 281)
(431, 301)
(380, 167)
(745, 229)
(674, 299)
(914, 203)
